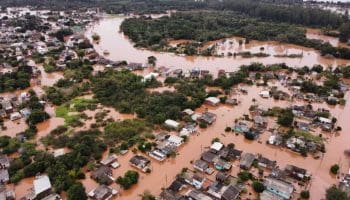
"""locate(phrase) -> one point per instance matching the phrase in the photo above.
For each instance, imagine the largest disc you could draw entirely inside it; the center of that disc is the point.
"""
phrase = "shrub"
(334, 169)
(258, 186)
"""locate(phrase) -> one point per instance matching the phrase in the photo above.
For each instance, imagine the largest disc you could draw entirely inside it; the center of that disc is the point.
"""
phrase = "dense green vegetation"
(258, 186)
(130, 178)
(19, 79)
(212, 25)
(126, 130)
(76, 192)
(267, 10)
(130, 96)
(63, 170)
(334, 193)
(205, 26)
(285, 118)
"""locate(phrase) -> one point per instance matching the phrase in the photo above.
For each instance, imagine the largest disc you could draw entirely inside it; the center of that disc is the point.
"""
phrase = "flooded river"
(121, 48)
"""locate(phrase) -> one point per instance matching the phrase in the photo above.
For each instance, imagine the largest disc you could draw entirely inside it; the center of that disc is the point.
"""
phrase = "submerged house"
(213, 101)
(103, 174)
(42, 187)
(102, 192)
(109, 160)
(246, 161)
(297, 173)
(207, 118)
(279, 188)
(140, 162)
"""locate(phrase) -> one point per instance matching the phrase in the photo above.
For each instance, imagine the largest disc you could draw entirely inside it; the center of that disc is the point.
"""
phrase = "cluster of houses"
(20, 41)
(198, 184)
(10, 106)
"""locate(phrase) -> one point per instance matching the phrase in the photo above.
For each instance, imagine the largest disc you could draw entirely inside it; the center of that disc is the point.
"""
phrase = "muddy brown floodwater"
(163, 173)
(121, 48)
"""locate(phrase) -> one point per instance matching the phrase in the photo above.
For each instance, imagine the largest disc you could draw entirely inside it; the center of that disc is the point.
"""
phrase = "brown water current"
(121, 48)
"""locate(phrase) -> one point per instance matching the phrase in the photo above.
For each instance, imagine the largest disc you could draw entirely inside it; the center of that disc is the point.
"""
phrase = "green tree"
(286, 118)
(305, 194)
(130, 178)
(334, 169)
(147, 196)
(258, 186)
(334, 193)
(76, 192)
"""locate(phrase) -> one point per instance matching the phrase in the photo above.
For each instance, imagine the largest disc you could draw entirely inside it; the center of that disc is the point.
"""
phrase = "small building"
(264, 94)
(42, 186)
(188, 112)
(213, 101)
(275, 139)
(149, 76)
(297, 172)
(175, 140)
(15, 116)
(231, 193)
(103, 192)
(208, 156)
(172, 124)
(216, 147)
(242, 126)
(279, 188)
(4, 161)
(109, 160)
(25, 112)
(103, 174)
(140, 162)
(7, 194)
(4, 176)
(200, 165)
(246, 161)
(170, 195)
(207, 117)
(177, 185)
(135, 66)
(157, 154)
(228, 153)
(324, 120)
(260, 121)
(52, 197)
(266, 163)
(188, 129)
(197, 195)
(58, 152)
(221, 164)
(266, 195)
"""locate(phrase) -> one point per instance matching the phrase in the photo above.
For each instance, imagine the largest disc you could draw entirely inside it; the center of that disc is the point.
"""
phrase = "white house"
(324, 120)
(14, 116)
(175, 140)
(212, 101)
(264, 94)
(150, 76)
(41, 185)
(216, 146)
(172, 124)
